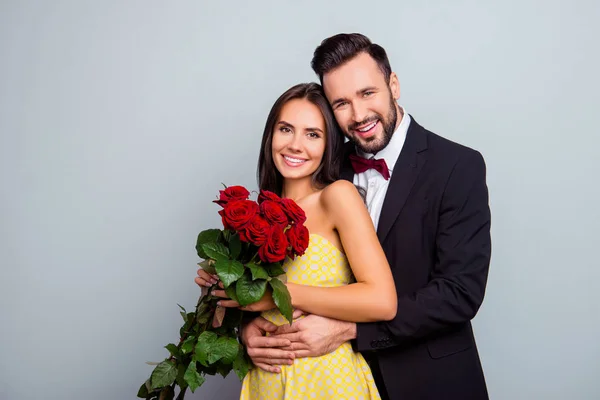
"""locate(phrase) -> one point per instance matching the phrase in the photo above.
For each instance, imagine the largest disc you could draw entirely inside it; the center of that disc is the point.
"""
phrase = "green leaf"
(204, 317)
(179, 379)
(190, 317)
(163, 375)
(204, 346)
(216, 251)
(204, 237)
(183, 313)
(226, 348)
(275, 269)
(223, 369)
(229, 271)
(188, 344)
(241, 365)
(173, 350)
(233, 318)
(249, 291)
(144, 390)
(235, 246)
(230, 290)
(208, 266)
(192, 377)
(282, 298)
(184, 329)
(167, 394)
(258, 271)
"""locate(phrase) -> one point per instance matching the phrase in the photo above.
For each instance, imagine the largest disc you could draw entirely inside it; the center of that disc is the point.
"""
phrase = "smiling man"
(428, 199)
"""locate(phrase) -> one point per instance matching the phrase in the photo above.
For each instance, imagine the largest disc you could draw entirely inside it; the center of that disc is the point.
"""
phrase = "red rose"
(275, 248)
(238, 213)
(256, 232)
(273, 213)
(265, 195)
(297, 237)
(225, 224)
(232, 193)
(293, 211)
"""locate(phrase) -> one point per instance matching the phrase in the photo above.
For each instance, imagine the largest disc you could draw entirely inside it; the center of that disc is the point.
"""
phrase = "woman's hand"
(264, 304)
(204, 279)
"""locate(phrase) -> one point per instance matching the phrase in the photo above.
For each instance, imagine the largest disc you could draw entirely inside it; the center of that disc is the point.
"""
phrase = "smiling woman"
(299, 139)
(342, 275)
(300, 126)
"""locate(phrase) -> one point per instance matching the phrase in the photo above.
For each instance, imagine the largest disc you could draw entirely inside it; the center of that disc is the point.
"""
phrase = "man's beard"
(373, 145)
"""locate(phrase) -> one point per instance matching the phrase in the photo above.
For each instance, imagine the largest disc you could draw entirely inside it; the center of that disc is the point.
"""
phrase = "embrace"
(399, 245)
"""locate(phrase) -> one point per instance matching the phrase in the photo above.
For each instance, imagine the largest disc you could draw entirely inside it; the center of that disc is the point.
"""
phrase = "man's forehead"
(354, 75)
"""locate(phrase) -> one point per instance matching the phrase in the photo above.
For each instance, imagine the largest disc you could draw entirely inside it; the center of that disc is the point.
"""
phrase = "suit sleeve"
(458, 279)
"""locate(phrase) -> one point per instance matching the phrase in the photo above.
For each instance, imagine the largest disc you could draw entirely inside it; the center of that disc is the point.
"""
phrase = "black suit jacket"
(435, 230)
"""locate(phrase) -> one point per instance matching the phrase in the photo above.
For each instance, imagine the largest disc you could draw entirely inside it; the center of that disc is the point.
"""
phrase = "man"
(428, 199)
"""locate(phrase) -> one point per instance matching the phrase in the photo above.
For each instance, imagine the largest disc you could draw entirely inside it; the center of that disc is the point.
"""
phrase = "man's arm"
(456, 289)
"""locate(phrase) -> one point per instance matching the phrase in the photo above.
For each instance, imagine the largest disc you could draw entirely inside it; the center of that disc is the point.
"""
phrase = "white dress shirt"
(372, 181)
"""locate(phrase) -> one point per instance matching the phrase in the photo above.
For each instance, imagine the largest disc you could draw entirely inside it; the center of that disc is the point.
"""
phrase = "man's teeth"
(294, 160)
(368, 127)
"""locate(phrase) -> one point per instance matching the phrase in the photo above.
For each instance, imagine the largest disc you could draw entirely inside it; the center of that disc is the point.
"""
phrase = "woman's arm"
(373, 297)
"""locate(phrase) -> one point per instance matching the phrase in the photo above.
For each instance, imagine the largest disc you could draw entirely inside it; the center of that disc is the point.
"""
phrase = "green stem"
(181, 394)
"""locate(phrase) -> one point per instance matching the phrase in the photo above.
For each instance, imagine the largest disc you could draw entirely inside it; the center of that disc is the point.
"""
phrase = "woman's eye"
(285, 129)
(313, 135)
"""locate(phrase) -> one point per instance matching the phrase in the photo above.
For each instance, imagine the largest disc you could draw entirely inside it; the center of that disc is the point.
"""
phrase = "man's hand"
(266, 352)
(315, 336)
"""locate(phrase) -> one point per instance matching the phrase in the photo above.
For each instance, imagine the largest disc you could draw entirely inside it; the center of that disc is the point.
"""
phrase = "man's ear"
(394, 86)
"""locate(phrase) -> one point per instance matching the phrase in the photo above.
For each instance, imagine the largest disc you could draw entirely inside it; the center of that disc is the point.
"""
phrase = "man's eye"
(367, 94)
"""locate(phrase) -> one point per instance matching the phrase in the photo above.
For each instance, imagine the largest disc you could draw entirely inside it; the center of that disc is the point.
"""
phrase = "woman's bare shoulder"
(341, 191)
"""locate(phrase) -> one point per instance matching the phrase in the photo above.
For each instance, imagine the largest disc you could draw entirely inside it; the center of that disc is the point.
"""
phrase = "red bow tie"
(360, 164)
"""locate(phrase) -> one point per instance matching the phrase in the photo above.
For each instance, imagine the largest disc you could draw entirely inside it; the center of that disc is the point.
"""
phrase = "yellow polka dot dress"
(342, 374)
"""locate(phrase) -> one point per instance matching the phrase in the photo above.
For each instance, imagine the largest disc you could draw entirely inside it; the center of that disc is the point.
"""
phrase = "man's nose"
(359, 112)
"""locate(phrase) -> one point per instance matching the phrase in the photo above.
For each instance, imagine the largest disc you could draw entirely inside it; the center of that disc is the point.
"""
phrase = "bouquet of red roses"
(246, 255)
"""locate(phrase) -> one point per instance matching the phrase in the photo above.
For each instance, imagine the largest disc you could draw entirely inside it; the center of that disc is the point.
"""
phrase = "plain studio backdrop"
(119, 121)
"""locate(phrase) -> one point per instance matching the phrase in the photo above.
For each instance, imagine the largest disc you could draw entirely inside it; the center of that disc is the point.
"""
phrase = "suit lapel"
(407, 168)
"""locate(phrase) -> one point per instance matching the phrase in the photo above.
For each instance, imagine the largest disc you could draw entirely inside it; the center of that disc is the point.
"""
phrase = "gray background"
(119, 120)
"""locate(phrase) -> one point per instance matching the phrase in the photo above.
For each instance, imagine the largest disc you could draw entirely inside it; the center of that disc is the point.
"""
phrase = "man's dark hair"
(341, 48)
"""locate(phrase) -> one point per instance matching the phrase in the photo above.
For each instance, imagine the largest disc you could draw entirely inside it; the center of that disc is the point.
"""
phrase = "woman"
(344, 273)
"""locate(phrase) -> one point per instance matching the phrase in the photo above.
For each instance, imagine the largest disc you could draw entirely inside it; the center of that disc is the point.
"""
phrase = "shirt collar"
(391, 152)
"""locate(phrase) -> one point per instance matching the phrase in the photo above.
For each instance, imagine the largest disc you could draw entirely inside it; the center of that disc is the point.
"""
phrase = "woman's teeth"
(294, 160)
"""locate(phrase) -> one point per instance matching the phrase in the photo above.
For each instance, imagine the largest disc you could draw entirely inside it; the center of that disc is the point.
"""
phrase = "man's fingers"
(287, 328)
(292, 337)
(273, 361)
(268, 368)
(267, 342)
(303, 353)
(270, 354)
(298, 313)
(296, 346)
(265, 325)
